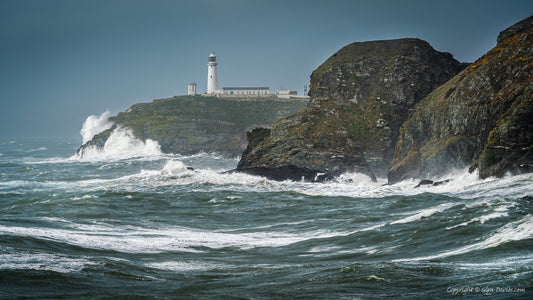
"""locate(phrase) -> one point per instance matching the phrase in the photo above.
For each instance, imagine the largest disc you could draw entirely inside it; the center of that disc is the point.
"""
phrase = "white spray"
(93, 125)
(120, 144)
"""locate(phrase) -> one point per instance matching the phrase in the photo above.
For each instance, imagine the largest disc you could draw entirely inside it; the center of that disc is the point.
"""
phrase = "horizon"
(65, 60)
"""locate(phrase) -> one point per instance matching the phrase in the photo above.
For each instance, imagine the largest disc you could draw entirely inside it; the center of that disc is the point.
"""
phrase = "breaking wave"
(94, 125)
(515, 231)
(127, 211)
(121, 144)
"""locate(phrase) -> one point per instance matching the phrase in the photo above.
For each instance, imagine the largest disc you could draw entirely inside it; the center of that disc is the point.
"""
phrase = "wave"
(481, 219)
(42, 261)
(425, 213)
(123, 148)
(37, 149)
(173, 167)
(514, 231)
(176, 170)
(121, 144)
(183, 266)
(13, 186)
(94, 125)
(131, 239)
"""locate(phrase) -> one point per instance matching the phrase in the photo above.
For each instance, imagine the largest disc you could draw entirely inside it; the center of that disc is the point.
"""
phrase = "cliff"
(480, 118)
(360, 97)
(192, 124)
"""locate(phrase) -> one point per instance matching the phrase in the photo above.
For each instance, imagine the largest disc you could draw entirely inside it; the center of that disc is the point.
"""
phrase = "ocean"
(132, 222)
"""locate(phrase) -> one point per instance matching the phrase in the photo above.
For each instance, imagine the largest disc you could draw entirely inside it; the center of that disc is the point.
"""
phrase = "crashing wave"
(120, 144)
(94, 125)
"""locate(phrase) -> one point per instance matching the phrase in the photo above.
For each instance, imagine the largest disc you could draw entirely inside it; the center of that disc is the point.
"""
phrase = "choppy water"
(120, 225)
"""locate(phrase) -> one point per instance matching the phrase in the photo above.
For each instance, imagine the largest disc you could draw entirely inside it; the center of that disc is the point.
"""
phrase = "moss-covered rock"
(480, 118)
(360, 97)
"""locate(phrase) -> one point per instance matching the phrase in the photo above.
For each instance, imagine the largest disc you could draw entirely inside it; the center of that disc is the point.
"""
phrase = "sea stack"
(360, 97)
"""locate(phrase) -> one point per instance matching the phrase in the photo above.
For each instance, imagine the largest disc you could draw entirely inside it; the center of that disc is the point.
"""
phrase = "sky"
(63, 60)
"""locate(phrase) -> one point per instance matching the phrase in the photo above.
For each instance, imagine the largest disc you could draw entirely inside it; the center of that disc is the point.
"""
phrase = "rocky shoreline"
(395, 109)
(400, 109)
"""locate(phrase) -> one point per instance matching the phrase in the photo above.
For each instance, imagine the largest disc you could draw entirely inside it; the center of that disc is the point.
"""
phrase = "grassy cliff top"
(192, 124)
(240, 112)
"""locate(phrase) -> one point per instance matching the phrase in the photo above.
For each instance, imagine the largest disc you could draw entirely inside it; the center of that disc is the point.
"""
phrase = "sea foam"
(132, 239)
(515, 231)
(42, 261)
(425, 213)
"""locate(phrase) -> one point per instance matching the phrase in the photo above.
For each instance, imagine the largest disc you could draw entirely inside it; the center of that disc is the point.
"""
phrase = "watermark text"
(484, 290)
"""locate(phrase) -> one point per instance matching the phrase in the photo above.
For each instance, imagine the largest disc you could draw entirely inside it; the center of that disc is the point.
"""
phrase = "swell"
(153, 225)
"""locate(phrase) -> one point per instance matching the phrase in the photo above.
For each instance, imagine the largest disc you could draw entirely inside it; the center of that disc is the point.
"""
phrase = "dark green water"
(119, 226)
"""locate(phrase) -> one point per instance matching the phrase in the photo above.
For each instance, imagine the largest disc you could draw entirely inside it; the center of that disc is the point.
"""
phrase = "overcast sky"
(62, 60)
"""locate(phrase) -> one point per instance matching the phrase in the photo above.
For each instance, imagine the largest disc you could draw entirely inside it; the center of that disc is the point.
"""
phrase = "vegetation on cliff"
(481, 117)
(192, 124)
(397, 108)
(360, 97)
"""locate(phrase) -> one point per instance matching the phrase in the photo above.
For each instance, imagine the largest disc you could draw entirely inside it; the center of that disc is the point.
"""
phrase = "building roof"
(245, 88)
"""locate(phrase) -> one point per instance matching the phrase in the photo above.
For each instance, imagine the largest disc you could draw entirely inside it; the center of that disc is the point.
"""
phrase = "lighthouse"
(212, 74)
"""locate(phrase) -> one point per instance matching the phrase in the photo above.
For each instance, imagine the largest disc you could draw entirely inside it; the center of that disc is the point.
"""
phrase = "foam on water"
(154, 216)
(183, 266)
(133, 239)
(482, 219)
(175, 172)
(355, 185)
(31, 185)
(42, 262)
(37, 149)
(173, 167)
(425, 213)
(514, 231)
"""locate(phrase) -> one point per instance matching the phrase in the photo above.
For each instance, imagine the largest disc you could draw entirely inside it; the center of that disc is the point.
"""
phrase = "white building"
(191, 89)
(245, 91)
(212, 86)
(212, 74)
(286, 94)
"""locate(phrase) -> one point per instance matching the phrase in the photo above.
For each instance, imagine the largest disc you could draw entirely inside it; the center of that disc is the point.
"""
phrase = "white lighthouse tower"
(212, 74)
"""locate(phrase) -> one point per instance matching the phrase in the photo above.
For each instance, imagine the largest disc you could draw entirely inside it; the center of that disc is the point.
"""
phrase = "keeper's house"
(245, 91)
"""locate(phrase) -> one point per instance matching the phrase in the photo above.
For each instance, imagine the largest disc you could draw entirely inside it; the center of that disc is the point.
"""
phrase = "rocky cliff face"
(359, 98)
(480, 118)
(192, 124)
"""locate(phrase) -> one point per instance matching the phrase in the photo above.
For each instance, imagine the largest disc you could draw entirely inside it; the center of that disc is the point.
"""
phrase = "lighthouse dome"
(212, 57)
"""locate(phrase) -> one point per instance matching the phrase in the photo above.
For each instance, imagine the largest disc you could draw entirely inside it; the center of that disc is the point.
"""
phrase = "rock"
(431, 182)
(360, 97)
(97, 141)
(480, 118)
(424, 182)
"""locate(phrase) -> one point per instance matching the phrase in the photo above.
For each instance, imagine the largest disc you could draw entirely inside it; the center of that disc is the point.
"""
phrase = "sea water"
(131, 222)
